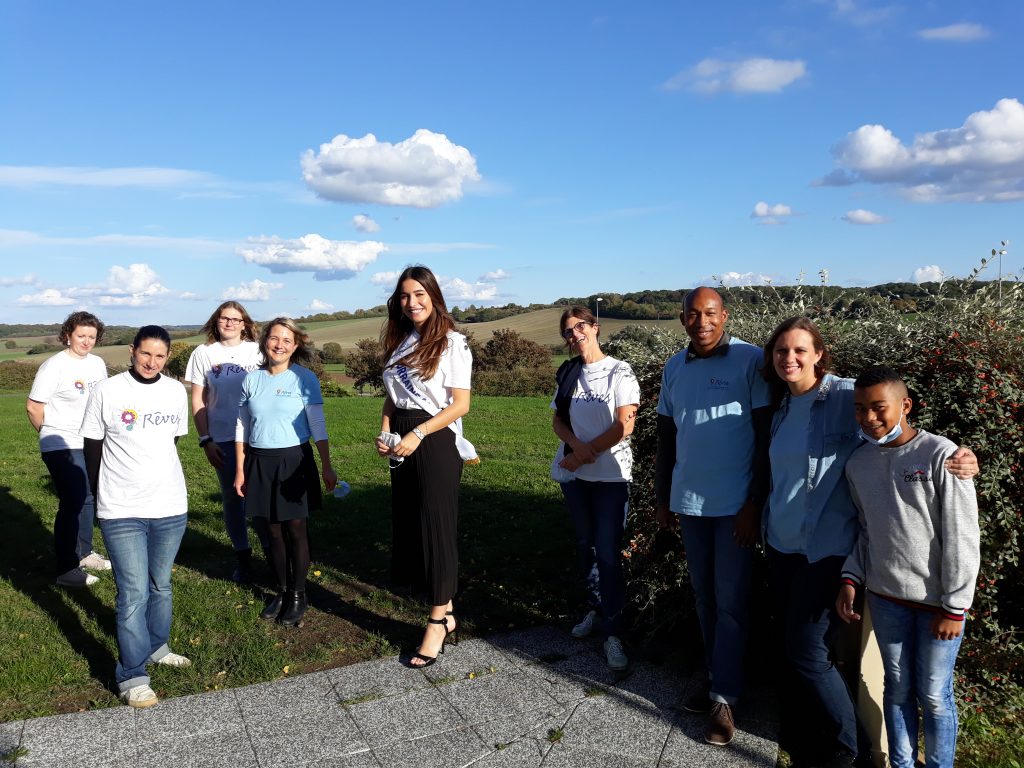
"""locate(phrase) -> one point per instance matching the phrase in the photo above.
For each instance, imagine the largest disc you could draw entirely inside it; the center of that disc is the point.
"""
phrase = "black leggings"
(288, 551)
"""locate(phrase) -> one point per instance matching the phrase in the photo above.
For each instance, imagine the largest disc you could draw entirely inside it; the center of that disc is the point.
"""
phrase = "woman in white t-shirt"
(216, 370)
(427, 380)
(595, 410)
(131, 427)
(55, 407)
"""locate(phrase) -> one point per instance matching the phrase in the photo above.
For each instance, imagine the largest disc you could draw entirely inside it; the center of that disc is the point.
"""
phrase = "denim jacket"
(830, 523)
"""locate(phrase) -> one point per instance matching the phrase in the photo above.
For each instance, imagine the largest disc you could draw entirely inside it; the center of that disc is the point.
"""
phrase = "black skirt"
(281, 483)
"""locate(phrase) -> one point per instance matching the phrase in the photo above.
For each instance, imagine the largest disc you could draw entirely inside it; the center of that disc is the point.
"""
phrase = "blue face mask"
(886, 438)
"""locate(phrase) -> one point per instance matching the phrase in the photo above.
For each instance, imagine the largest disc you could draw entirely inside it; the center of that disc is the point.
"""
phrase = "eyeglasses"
(230, 320)
(568, 333)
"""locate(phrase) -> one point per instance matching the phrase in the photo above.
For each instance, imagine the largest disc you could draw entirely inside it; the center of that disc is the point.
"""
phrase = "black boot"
(243, 571)
(273, 608)
(294, 608)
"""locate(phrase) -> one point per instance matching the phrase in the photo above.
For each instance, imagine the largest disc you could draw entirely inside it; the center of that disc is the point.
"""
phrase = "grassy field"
(540, 326)
(516, 558)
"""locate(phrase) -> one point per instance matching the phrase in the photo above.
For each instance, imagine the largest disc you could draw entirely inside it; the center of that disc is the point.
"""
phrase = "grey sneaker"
(613, 652)
(76, 577)
(94, 561)
(139, 696)
(174, 660)
(586, 626)
(720, 727)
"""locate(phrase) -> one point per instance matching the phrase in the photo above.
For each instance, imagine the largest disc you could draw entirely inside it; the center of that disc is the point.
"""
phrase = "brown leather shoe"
(720, 728)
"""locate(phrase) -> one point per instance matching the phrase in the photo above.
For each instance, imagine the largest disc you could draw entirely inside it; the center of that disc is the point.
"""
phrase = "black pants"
(425, 511)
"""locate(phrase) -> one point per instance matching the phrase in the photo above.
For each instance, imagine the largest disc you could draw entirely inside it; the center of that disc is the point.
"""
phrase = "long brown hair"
(823, 366)
(249, 328)
(434, 334)
(303, 354)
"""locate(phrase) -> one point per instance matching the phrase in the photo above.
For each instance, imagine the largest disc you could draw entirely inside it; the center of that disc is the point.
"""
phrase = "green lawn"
(58, 645)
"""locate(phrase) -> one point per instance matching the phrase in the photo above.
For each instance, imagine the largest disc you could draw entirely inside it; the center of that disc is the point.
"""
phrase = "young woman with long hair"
(216, 370)
(281, 409)
(428, 367)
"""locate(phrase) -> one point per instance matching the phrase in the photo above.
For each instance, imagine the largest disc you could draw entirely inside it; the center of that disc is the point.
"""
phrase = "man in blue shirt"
(714, 414)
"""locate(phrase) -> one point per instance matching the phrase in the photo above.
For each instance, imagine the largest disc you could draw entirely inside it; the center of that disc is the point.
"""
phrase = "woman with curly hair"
(216, 370)
(427, 379)
(55, 408)
(281, 408)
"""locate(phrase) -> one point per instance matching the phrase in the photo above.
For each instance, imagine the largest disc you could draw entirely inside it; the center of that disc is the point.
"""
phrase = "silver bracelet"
(419, 433)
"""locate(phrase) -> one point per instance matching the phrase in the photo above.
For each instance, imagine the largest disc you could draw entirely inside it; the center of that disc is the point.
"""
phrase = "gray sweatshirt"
(919, 537)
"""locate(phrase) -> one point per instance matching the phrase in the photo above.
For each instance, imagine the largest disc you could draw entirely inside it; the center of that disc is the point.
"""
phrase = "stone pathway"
(531, 698)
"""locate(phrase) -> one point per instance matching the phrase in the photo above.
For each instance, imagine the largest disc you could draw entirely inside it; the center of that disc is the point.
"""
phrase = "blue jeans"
(142, 552)
(803, 596)
(918, 670)
(720, 574)
(72, 528)
(598, 513)
(234, 505)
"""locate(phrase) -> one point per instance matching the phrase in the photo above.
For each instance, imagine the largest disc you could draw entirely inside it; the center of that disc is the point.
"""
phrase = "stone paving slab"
(531, 698)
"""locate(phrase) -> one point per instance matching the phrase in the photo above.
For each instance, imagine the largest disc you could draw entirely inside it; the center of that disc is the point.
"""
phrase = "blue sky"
(156, 159)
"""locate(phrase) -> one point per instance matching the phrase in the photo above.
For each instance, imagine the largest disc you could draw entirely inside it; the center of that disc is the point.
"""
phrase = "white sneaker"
(174, 660)
(617, 659)
(585, 627)
(94, 561)
(139, 696)
(76, 577)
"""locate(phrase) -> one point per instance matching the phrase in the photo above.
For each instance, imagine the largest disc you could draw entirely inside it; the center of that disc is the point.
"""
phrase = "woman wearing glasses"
(427, 380)
(595, 410)
(216, 370)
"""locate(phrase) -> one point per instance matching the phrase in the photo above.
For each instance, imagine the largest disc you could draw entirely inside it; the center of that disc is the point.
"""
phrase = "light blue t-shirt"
(787, 508)
(711, 400)
(275, 406)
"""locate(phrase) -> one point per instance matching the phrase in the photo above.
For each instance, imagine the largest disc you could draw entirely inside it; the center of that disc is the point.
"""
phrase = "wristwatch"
(204, 439)
(419, 433)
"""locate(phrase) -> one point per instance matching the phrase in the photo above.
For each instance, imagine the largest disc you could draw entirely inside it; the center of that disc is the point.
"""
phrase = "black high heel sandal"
(449, 636)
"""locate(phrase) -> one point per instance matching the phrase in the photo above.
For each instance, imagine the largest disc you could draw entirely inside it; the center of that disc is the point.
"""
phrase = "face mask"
(887, 438)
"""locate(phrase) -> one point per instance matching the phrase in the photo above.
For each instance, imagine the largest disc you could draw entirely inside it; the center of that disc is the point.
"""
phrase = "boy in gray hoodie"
(917, 554)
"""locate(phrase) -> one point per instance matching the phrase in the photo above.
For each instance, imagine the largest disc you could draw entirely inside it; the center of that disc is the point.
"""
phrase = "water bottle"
(341, 489)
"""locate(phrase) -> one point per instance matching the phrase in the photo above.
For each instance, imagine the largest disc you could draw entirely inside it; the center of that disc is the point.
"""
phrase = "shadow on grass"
(26, 560)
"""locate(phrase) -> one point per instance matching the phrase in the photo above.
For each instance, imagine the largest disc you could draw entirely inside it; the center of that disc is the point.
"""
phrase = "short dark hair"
(151, 332)
(580, 313)
(878, 374)
(76, 319)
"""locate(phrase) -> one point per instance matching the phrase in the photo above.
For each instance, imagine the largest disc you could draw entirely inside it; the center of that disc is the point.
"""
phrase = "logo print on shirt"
(215, 370)
(80, 386)
(715, 383)
(128, 418)
(916, 473)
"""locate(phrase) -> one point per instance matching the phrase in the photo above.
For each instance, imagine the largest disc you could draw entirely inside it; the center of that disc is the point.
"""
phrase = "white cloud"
(319, 306)
(770, 214)
(930, 274)
(50, 297)
(747, 76)
(190, 296)
(326, 259)
(861, 14)
(498, 274)
(863, 217)
(981, 161)
(423, 171)
(83, 176)
(136, 285)
(965, 32)
(29, 279)
(20, 238)
(736, 279)
(384, 278)
(364, 223)
(456, 289)
(254, 290)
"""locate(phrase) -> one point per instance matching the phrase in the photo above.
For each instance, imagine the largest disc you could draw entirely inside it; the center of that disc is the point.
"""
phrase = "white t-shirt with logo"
(63, 384)
(221, 370)
(407, 389)
(602, 387)
(140, 475)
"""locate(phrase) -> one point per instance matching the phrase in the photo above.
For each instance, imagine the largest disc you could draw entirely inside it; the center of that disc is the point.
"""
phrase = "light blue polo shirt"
(711, 400)
(276, 406)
